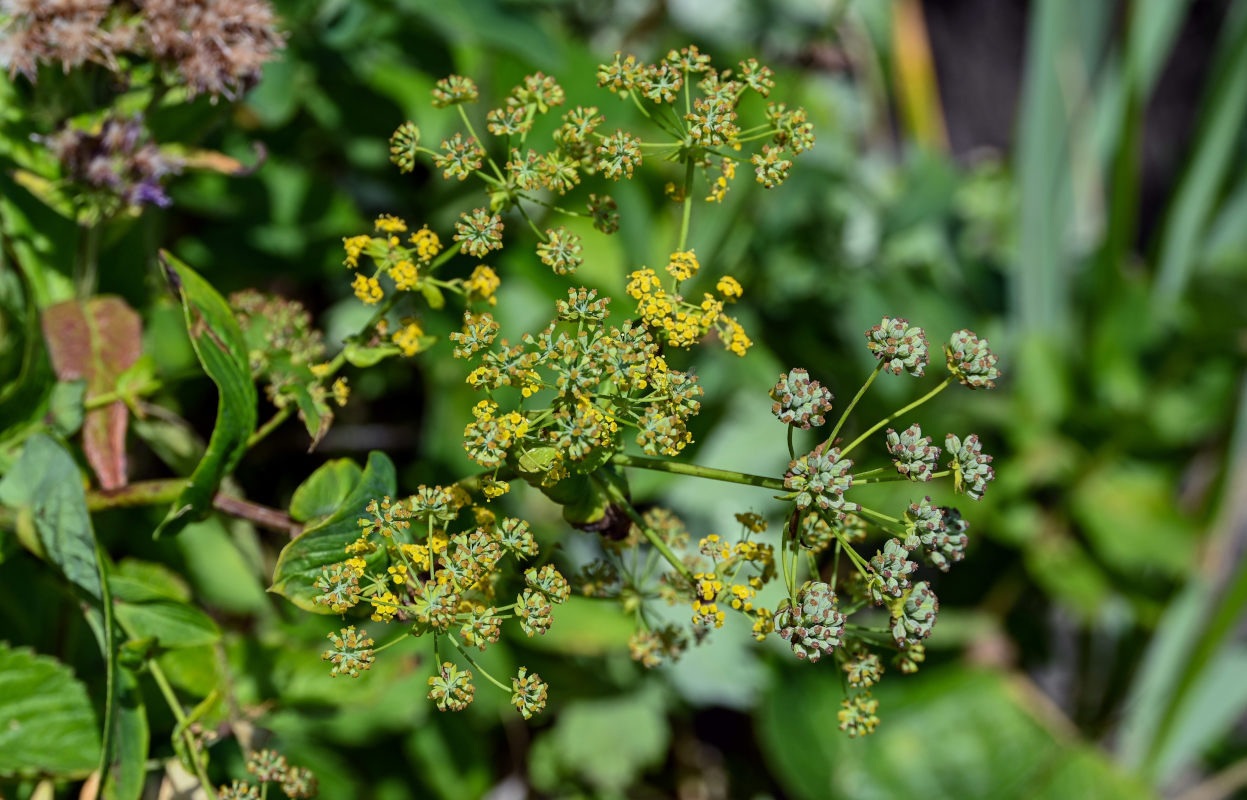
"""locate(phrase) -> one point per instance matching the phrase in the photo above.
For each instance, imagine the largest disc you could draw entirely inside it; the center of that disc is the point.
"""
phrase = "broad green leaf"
(96, 341)
(604, 743)
(222, 351)
(324, 490)
(136, 581)
(323, 544)
(172, 624)
(194, 670)
(46, 487)
(131, 739)
(47, 724)
(225, 575)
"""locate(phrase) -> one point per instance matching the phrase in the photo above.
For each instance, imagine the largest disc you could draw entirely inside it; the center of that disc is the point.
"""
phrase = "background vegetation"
(1091, 645)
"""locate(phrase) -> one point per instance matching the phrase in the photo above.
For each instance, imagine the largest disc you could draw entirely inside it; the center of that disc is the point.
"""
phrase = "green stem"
(870, 512)
(110, 672)
(892, 478)
(472, 132)
(853, 403)
(873, 634)
(943, 384)
(187, 738)
(860, 563)
(272, 424)
(108, 398)
(792, 454)
(688, 206)
(391, 642)
(541, 237)
(88, 261)
(476, 666)
(654, 539)
(698, 471)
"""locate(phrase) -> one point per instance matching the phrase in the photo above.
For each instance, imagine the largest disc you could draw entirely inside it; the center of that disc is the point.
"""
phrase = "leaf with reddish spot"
(96, 341)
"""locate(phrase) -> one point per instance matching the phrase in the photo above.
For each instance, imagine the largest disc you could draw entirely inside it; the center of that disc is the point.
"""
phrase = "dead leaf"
(96, 341)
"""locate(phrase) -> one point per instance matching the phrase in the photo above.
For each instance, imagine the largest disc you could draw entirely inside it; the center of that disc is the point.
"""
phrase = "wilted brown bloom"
(216, 47)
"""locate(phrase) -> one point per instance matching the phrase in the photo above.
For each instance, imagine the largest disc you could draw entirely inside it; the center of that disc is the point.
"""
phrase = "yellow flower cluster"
(705, 611)
(417, 554)
(482, 284)
(367, 289)
(683, 265)
(341, 391)
(408, 338)
(714, 547)
(719, 189)
(742, 597)
(493, 488)
(384, 606)
(753, 522)
(730, 288)
(389, 255)
(684, 323)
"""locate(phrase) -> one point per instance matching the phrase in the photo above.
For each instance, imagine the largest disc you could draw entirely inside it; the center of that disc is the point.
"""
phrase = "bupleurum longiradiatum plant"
(561, 407)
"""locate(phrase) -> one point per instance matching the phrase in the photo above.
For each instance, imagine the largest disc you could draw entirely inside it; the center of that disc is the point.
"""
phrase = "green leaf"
(359, 355)
(222, 350)
(194, 670)
(225, 571)
(323, 544)
(46, 488)
(131, 740)
(65, 406)
(47, 724)
(170, 623)
(136, 581)
(324, 490)
(433, 296)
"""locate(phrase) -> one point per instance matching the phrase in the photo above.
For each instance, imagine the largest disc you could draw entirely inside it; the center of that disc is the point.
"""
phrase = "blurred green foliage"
(1107, 556)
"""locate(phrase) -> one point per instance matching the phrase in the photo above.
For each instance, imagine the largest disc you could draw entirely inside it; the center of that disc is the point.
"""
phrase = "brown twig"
(157, 492)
